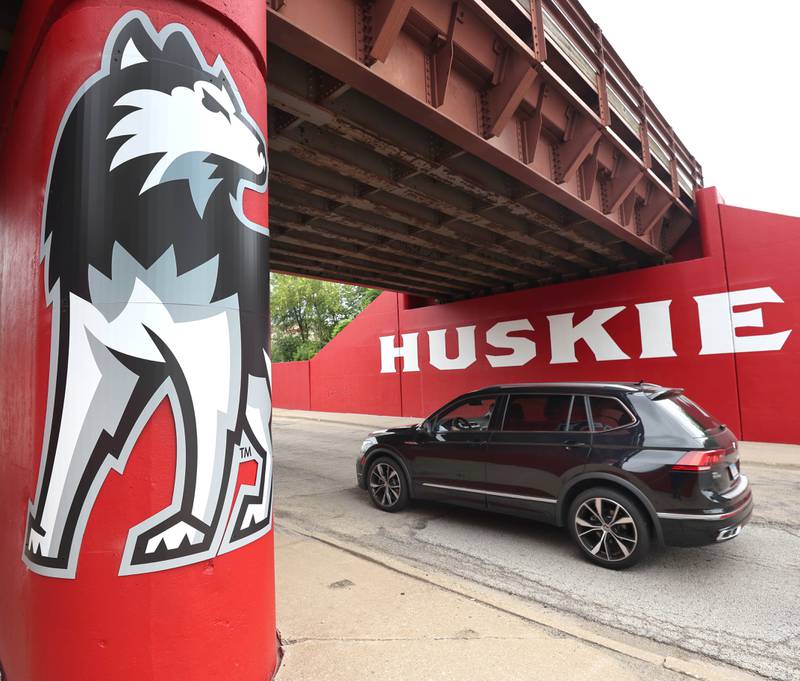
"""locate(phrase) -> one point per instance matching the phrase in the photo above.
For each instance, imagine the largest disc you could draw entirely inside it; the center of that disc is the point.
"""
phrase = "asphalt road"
(738, 602)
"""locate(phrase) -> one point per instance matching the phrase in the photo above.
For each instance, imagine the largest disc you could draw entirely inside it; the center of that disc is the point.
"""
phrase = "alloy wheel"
(606, 529)
(385, 484)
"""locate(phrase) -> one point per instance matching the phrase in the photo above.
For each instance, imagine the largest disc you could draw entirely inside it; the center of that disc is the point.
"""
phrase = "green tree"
(307, 313)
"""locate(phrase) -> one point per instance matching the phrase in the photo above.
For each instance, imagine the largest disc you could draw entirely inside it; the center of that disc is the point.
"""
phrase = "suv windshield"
(693, 418)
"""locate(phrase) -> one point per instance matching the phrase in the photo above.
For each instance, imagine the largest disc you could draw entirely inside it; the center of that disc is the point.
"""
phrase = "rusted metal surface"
(507, 142)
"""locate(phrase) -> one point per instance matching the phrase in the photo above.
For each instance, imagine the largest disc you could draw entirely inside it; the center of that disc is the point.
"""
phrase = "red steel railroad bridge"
(454, 149)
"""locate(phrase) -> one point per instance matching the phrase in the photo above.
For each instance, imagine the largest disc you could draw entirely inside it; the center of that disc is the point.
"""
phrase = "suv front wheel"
(609, 528)
(387, 485)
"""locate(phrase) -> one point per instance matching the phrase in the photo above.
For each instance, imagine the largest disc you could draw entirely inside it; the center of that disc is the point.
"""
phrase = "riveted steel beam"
(347, 230)
(495, 237)
(286, 262)
(542, 231)
(304, 249)
(418, 230)
(504, 98)
(388, 17)
(423, 47)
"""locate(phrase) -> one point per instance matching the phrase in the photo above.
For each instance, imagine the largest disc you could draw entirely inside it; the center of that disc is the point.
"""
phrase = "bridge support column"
(135, 455)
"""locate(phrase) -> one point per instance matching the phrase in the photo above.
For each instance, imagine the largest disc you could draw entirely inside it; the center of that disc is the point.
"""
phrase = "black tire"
(622, 535)
(387, 484)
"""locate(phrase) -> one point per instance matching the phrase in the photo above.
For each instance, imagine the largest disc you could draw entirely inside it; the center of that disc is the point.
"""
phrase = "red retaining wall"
(761, 250)
(295, 382)
(714, 325)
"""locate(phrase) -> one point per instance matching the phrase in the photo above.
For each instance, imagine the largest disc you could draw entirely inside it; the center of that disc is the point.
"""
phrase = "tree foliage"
(308, 313)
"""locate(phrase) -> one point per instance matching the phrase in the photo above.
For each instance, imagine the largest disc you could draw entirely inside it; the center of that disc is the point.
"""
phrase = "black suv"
(620, 464)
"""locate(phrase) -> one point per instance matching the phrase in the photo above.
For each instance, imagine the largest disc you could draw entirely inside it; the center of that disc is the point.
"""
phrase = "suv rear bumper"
(697, 529)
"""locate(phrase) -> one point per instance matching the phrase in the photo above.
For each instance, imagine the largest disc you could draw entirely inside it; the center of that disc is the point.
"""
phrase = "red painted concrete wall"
(213, 619)
(295, 377)
(350, 376)
(761, 250)
(753, 392)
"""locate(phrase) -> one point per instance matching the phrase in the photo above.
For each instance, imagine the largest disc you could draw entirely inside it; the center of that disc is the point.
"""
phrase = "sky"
(726, 76)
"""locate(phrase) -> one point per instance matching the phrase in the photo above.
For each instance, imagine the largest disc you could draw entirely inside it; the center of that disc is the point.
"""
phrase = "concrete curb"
(366, 421)
(690, 666)
(770, 454)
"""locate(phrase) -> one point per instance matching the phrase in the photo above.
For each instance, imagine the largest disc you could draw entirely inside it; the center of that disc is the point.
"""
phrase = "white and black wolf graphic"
(159, 289)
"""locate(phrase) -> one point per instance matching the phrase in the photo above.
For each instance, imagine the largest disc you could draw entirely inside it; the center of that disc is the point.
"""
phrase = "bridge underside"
(428, 147)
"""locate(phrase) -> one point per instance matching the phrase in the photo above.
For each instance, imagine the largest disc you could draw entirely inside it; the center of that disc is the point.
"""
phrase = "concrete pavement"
(692, 610)
(344, 616)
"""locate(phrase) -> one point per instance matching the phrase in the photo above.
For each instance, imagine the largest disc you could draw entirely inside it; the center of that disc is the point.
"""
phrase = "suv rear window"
(692, 416)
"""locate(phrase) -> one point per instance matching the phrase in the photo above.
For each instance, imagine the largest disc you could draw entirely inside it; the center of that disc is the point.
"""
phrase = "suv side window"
(469, 416)
(532, 413)
(609, 413)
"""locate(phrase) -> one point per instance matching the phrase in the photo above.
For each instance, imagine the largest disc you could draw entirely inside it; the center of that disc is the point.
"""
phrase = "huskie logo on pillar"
(158, 285)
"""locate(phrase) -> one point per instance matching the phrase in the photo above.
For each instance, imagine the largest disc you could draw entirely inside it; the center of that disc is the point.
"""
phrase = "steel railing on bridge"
(619, 100)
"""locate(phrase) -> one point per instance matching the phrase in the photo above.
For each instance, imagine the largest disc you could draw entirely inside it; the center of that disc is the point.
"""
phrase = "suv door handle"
(574, 443)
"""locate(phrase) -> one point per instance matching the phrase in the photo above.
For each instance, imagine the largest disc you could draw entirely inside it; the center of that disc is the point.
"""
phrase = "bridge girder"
(442, 127)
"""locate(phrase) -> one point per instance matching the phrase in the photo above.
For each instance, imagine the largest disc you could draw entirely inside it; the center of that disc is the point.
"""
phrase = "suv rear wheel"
(387, 485)
(609, 528)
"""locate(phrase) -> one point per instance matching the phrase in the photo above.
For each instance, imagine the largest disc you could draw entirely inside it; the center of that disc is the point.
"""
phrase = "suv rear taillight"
(700, 460)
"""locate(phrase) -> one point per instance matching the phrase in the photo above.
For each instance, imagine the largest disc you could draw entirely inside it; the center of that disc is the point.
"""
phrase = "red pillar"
(135, 457)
